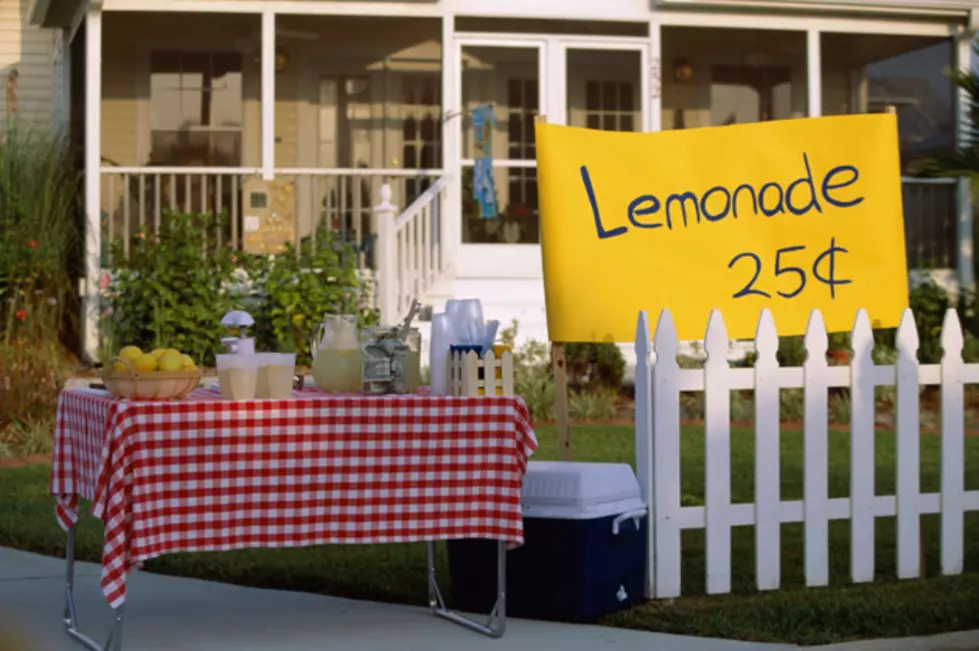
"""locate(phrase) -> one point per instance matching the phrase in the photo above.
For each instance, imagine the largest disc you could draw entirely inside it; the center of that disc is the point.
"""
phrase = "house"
(321, 110)
(32, 86)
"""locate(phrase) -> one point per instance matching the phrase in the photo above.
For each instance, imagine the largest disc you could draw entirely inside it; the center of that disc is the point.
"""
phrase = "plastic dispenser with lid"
(240, 345)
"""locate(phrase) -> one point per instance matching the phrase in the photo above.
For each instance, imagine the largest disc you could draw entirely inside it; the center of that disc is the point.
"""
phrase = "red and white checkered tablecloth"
(206, 474)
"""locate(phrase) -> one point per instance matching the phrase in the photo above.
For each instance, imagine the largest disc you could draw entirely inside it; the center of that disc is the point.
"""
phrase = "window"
(521, 108)
(421, 129)
(196, 108)
(609, 105)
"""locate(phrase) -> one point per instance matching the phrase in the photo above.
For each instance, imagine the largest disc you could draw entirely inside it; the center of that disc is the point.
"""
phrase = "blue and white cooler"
(584, 547)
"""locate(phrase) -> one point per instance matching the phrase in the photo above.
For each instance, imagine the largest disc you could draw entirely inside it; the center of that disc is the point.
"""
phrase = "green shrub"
(171, 288)
(174, 287)
(38, 234)
(292, 293)
(594, 366)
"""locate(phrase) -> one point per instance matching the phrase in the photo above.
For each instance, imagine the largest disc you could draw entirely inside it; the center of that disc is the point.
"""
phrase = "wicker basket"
(150, 385)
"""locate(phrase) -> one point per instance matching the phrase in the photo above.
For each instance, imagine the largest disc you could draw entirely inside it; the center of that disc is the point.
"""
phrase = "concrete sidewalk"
(177, 614)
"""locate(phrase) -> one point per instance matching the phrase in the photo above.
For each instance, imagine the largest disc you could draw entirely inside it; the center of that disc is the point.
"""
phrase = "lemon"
(189, 364)
(158, 352)
(119, 366)
(146, 363)
(171, 361)
(130, 352)
(174, 351)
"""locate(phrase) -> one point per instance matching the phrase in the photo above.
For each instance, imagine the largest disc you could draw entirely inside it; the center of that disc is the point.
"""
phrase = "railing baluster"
(173, 194)
(187, 192)
(125, 214)
(358, 211)
(219, 206)
(110, 212)
(234, 211)
(142, 200)
(342, 199)
(427, 249)
(157, 200)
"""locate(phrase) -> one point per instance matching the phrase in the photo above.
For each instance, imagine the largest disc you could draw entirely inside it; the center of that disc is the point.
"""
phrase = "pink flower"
(104, 281)
(32, 244)
(21, 315)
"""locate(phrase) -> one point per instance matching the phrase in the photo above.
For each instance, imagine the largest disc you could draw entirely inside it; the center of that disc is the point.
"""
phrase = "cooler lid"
(579, 489)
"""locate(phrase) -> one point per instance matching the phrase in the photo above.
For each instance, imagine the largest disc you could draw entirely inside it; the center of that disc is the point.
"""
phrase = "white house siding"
(29, 51)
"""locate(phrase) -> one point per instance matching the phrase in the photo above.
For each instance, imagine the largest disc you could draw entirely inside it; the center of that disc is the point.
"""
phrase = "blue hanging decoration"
(484, 188)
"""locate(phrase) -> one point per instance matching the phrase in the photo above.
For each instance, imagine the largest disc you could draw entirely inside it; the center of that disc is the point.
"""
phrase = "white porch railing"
(410, 257)
(340, 199)
(659, 381)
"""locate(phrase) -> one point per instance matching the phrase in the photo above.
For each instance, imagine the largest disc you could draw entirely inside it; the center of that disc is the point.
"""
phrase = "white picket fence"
(658, 386)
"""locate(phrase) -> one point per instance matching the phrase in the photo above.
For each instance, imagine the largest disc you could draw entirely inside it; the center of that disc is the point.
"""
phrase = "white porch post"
(964, 228)
(268, 95)
(655, 77)
(814, 73)
(451, 216)
(93, 182)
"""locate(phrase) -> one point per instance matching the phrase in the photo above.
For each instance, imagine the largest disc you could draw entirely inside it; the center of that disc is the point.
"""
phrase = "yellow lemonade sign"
(790, 215)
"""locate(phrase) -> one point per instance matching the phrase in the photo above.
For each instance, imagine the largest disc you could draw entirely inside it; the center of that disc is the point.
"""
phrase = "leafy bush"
(39, 243)
(38, 233)
(174, 287)
(293, 292)
(588, 399)
(170, 288)
(595, 366)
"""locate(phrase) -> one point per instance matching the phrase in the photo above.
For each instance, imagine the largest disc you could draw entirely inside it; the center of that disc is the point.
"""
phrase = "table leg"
(495, 626)
(114, 643)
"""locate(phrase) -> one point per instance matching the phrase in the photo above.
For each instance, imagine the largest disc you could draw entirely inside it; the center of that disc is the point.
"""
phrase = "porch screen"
(196, 108)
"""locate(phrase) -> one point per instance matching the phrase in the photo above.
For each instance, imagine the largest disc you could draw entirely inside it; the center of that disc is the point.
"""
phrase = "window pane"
(716, 76)
(506, 79)
(600, 84)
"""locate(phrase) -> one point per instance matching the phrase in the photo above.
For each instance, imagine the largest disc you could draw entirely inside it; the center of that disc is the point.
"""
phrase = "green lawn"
(794, 614)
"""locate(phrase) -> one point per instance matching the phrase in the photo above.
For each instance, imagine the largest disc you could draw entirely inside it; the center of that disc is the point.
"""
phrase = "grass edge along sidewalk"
(794, 614)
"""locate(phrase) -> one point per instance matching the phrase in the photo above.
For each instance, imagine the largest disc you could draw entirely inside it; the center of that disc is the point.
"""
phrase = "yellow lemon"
(158, 352)
(171, 361)
(189, 364)
(130, 352)
(119, 366)
(146, 363)
(174, 351)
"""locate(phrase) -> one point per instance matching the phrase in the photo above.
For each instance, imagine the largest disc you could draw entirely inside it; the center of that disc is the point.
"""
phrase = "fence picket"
(953, 446)
(666, 460)
(768, 545)
(816, 453)
(644, 439)
(717, 456)
(862, 464)
(908, 452)
(659, 381)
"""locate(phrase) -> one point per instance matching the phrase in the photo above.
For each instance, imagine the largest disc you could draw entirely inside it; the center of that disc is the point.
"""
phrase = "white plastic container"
(238, 376)
(275, 375)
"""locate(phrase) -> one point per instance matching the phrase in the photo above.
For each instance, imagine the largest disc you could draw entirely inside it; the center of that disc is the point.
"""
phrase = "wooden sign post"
(560, 382)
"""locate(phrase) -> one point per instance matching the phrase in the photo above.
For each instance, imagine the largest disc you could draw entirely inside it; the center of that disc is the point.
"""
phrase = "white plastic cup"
(238, 376)
(438, 354)
(275, 374)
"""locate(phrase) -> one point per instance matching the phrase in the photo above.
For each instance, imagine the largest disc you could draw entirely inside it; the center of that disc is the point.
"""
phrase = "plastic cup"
(275, 375)
(238, 376)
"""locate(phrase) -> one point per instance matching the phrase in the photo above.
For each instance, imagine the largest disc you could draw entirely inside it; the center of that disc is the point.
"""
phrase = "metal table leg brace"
(495, 626)
(114, 643)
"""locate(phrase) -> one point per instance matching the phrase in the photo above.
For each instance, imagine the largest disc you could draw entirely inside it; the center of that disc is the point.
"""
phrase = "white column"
(964, 229)
(268, 95)
(814, 73)
(93, 183)
(451, 214)
(655, 77)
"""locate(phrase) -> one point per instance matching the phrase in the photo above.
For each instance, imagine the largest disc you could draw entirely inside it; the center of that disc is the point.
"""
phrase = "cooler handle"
(630, 515)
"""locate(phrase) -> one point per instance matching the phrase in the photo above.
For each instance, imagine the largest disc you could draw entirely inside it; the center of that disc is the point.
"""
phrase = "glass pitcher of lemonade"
(337, 359)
